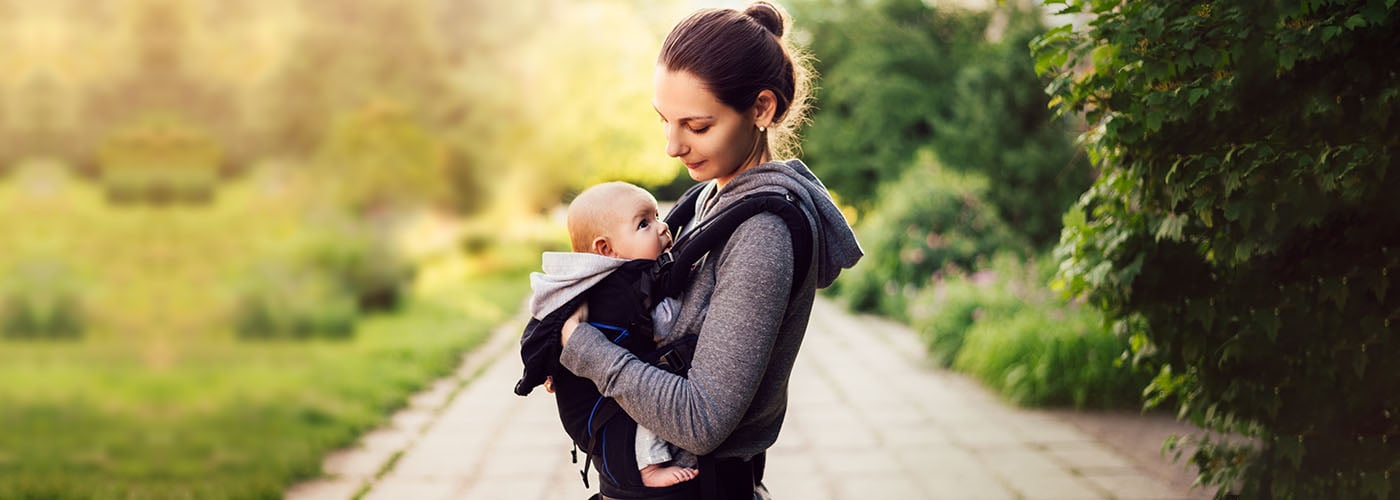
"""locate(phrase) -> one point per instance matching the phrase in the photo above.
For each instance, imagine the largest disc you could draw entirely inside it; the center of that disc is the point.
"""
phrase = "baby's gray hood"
(837, 247)
(567, 275)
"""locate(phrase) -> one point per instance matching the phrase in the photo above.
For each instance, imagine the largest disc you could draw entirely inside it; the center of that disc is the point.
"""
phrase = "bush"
(277, 302)
(1002, 129)
(160, 159)
(1245, 225)
(1003, 325)
(41, 300)
(358, 262)
(930, 220)
(1046, 352)
(945, 311)
(320, 283)
(887, 70)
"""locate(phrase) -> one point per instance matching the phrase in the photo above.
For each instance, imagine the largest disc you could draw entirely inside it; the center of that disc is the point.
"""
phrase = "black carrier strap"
(693, 243)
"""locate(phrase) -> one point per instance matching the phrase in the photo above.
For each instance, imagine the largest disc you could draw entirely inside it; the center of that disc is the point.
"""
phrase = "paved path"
(868, 418)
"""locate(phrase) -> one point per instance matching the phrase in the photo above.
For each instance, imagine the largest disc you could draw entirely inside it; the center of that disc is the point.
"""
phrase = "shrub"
(160, 159)
(321, 282)
(1047, 352)
(383, 154)
(1245, 224)
(359, 262)
(888, 68)
(1002, 129)
(946, 310)
(277, 302)
(929, 220)
(41, 300)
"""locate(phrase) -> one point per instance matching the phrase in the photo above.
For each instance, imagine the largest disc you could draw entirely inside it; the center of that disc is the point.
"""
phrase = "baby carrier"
(597, 424)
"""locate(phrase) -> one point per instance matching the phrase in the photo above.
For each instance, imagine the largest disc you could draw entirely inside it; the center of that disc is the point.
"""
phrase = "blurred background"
(234, 235)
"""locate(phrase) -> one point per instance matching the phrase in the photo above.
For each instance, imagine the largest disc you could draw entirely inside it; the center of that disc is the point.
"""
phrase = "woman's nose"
(674, 148)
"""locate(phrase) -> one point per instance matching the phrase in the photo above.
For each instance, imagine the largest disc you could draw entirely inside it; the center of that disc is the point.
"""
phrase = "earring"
(762, 129)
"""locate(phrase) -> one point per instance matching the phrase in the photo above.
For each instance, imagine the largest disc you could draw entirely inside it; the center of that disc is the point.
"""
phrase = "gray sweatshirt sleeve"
(698, 412)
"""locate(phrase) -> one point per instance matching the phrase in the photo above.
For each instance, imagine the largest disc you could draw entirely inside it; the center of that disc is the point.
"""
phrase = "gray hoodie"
(733, 399)
(567, 275)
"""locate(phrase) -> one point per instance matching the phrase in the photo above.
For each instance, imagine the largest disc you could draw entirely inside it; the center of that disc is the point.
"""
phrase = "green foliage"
(928, 220)
(944, 312)
(160, 159)
(320, 285)
(350, 54)
(887, 69)
(231, 420)
(41, 299)
(1244, 228)
(381, 156)
(1047, 352)
(363, 265)
(278, 302)
(1001, 128)
(159, 398)
(1004, 326)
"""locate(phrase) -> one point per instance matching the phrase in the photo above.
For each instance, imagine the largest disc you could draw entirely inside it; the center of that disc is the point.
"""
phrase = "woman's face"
(712, 139)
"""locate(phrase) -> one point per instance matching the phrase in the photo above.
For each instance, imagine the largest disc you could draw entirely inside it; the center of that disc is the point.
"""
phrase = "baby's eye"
(644, 224)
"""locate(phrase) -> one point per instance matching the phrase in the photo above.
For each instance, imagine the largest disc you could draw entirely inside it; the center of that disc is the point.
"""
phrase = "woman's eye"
(699, 130)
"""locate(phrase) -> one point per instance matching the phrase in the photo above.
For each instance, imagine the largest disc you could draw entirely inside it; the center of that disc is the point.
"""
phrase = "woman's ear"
(601, 247)
(763, 108)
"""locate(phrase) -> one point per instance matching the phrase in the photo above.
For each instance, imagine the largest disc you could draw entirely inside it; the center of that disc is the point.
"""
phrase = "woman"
(729, 93)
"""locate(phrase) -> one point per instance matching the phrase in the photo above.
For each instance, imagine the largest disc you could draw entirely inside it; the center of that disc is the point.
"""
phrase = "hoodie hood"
(567, 275)
(837, 247)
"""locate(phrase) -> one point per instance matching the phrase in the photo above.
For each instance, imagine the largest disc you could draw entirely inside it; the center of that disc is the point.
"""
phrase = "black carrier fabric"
(620, 307)
(597, 424)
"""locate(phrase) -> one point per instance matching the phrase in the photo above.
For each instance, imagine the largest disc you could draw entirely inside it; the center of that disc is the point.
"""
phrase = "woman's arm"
(698, 412)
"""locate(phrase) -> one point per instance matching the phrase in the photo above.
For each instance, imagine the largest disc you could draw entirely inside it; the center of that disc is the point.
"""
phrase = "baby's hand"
(579, 316)
(549, 384)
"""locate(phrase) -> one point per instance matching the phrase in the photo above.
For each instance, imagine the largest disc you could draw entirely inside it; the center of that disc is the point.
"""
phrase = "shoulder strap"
(694, 242)
(683, 212)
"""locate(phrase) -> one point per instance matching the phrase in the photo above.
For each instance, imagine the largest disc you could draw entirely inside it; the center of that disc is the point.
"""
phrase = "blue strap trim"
(621, 335)
(604, 454)
(592, 413)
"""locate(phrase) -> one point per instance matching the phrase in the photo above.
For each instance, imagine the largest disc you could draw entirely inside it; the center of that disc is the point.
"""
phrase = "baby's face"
(639, 232)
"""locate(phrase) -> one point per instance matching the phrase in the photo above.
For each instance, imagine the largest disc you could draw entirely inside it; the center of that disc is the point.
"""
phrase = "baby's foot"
(658, 476)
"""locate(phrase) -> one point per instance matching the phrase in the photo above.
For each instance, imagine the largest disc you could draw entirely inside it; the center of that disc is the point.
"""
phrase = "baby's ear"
(601, 247)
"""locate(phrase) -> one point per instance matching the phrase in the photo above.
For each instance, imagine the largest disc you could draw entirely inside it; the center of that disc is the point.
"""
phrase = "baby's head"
(617, 219)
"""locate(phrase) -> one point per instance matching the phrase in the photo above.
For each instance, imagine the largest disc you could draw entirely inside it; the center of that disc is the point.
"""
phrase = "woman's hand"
(580, 316)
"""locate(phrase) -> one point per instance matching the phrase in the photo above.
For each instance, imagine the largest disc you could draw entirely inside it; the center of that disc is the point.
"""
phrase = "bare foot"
(658, 476)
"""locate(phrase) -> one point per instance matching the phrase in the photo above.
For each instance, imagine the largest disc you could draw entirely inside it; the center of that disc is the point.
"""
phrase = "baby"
(615, 229)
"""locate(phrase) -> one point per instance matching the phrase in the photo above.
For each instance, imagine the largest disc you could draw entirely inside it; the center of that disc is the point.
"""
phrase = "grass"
(159, 399)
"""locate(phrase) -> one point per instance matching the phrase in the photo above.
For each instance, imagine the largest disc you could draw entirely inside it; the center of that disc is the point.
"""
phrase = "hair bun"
(767, 16)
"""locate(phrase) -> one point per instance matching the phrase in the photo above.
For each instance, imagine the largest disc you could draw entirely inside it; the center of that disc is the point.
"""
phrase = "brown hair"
(740, 54)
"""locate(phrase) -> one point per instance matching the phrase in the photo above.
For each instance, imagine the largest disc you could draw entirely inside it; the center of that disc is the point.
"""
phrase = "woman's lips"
(695, 165)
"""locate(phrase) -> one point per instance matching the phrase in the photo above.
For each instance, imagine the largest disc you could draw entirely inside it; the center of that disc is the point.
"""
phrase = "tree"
(1002, 128)
(1244, 229)
(886, 77)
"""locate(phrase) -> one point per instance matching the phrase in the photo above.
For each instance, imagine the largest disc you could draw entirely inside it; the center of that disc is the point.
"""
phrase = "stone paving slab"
(868, 417)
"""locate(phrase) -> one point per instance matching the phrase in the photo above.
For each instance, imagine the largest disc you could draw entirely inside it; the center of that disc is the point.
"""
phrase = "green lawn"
(159, 399)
